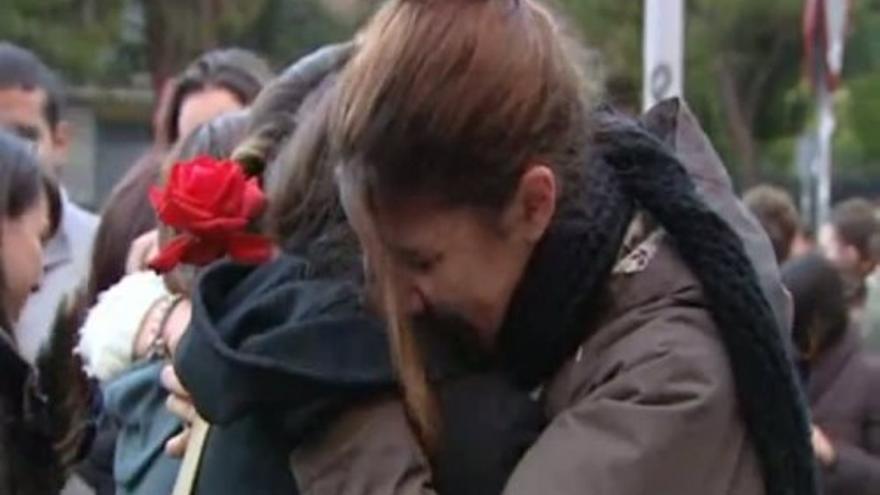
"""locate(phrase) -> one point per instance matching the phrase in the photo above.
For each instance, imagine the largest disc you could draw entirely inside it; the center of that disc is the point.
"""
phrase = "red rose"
(210, 203)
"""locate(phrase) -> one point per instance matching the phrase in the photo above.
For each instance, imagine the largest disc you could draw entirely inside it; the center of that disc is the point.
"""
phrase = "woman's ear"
(535, 203)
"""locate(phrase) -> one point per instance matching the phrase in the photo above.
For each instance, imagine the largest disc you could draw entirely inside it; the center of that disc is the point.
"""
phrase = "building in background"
(111, 130)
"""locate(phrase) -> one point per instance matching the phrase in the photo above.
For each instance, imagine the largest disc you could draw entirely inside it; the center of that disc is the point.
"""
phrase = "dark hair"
(285, 102)
(775, 210)
(20, 68)
(855, 222)
(820, 309)
(21, 183)
(216, 138)
(433, 102)
(126, 216)
(238, 71)
(305, 214)
(288, 132)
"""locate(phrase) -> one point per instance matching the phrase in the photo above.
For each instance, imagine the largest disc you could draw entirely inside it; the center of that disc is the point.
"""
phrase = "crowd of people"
(833, 283)
(429, 260)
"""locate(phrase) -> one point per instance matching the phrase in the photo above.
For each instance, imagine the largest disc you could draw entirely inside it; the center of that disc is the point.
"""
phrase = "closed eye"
(27, 132)
(418, 262)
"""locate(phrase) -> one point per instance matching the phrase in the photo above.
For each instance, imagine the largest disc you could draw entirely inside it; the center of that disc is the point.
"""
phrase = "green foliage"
(857, 146)
(76, 36)
(743, 60)
(286, 30)
(757, 46)
(109, 41)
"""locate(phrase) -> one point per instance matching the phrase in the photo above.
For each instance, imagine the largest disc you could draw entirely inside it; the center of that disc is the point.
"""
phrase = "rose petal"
(171, 255)
(204, 251)
(230, 190)
(254, 200)
(250, 248)
(157, 198)
(180, 213)
(215, 226)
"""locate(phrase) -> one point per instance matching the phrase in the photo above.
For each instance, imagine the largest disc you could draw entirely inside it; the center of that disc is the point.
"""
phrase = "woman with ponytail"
(600, 261)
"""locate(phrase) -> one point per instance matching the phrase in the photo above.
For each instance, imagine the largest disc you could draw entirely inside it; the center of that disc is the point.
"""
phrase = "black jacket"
(28, 464)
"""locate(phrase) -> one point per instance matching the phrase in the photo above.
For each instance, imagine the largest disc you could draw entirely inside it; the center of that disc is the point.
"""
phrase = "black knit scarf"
(564, 281)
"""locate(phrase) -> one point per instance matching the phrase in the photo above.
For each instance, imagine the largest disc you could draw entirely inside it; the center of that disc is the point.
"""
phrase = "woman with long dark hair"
(29, 462)
(575, 245)
(841, 377)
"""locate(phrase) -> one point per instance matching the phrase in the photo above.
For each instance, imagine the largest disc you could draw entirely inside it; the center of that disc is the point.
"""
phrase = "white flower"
(108, 335)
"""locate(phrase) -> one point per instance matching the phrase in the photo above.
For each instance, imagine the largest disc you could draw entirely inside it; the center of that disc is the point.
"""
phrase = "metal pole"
(663, 51)
(827, 125)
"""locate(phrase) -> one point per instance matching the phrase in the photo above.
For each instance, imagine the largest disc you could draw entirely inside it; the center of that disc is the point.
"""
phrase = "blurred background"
(744, 72)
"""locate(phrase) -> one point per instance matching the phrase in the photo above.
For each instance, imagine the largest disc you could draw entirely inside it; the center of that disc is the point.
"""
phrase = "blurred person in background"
(775, 210)
(804, 242)
(850, 240)
(31, 106)
(39, 438)
(218, 82)
(842, 379)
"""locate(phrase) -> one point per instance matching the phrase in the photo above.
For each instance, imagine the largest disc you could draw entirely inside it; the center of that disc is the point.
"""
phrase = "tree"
(858, 147)
(75, 36)
(176, 32)
(746, 57)
(110, 41)
(742, 65)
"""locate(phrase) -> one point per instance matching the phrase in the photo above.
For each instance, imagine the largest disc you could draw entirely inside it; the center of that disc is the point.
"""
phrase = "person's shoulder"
(370, 445)
(79, 217)
(661, 292)
(657, 315)
(79, 225)
(870, 364)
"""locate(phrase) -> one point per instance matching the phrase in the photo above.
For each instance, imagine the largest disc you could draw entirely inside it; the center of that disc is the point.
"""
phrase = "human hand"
(179, 403)
(142, 250)
(823, 448)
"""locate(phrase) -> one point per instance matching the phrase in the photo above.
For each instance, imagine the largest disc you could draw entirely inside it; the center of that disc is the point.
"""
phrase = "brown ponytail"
(455, 97)
(418, 396)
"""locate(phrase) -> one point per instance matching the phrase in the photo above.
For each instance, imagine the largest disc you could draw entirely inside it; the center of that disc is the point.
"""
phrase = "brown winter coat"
(648, 403)
(369, 451)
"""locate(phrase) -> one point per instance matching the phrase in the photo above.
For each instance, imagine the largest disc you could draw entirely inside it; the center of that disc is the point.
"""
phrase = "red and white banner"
(825, 28)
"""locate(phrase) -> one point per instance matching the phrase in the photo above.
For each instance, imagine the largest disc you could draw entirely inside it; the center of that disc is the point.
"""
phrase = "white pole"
(830, 58)
(827, 125)
(663, 51)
